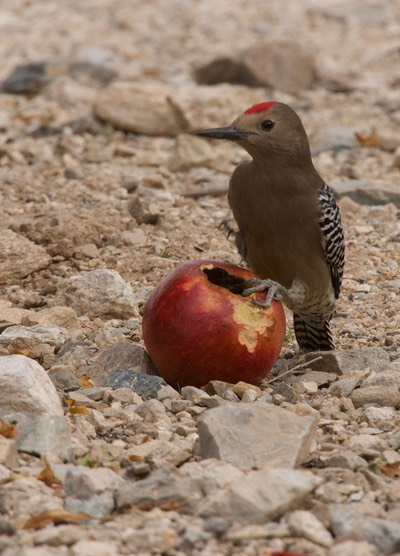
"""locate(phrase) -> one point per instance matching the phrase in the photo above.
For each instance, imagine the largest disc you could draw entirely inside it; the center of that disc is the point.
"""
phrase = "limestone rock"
(340, 362)
(255, 435)
(19, 257)
(260, 496)
(138, 107)
(98, 293)
(52, 335)
(25, 387)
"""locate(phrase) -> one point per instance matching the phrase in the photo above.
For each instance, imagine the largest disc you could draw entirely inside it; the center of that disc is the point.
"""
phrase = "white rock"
(52, 335)
(94, 548)
(8, 452)
(25, 387)
(232, 433)
(305, 524)
(19, 257)
(260, 496)
(98, 293)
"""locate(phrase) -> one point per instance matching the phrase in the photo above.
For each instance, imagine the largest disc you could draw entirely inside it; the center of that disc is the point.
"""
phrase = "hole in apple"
(223, 279)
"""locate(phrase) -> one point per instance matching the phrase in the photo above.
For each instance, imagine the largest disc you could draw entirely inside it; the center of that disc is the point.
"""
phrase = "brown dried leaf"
(370, 140)
(54, 516)
(135, 457)
(47, 475)
(77, 410)
(8, 430)
(390, 469)
(86, 382)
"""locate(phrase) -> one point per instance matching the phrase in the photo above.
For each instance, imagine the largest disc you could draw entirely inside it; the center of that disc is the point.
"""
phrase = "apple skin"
(196, 331)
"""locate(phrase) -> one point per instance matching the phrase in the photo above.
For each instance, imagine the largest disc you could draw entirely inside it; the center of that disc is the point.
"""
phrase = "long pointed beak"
(228, 132)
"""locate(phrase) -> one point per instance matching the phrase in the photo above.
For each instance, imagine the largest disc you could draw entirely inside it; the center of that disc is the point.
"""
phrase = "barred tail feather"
(313, 337)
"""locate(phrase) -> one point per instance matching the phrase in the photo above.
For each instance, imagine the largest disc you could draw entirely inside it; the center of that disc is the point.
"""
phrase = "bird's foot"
(274, 291)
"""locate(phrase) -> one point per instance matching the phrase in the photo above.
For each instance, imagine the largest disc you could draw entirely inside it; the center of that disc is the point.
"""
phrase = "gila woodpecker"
(290, 231)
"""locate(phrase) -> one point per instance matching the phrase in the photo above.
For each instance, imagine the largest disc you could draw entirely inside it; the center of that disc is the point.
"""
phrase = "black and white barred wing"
(332, 236)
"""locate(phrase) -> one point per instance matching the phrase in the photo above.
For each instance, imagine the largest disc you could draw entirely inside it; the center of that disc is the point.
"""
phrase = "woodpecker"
(289, 226)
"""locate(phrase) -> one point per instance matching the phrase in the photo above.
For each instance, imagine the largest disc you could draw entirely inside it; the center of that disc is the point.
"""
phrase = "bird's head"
(268, 131)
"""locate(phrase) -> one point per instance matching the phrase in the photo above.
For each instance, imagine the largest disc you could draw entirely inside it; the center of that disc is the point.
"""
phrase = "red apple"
(198, 327)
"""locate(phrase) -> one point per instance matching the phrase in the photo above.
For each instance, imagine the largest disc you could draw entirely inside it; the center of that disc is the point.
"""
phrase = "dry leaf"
(136, 457)
(8, 430)
(27, 352)
(47, 475)
(77, 410)
(370, 140)
(54, 516)
(390, 469)
(86, 382)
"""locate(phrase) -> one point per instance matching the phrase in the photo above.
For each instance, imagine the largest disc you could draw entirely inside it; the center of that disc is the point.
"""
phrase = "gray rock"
(367, 192)
(340, 362)
(113, 366)
(185, 486)
(260, 496)
(65, 380)
(217, 525)
(347, 460)
(25, 387)
(384, 534)
(232, 433)
(91, 490)
(98, 293)
(99, 505)
(25, 79)
(45, 435)
(6, 528)
(159, 489)
(283, 65)
(144, 209)
(385, 396)
(345, 386)
(333, 139)
(52, 335)
(147, 386)
(19, 257)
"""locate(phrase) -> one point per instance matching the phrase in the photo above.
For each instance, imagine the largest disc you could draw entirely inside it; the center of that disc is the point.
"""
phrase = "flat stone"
(51, 335)
(64, 317)
(232, 433)
(19, 257)
(60, 535)
(45, 435)
(25, 387)
(65, 380)
(138, 107)
(367, 191)
(385, 396)
(98, 293)
(25, 79)
(340, 362)
(382, 533)
(260, 496)
(146, 386)
(94, 548)
(347, 460)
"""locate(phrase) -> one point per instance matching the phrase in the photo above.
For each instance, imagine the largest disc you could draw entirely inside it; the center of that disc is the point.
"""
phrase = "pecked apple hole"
(223, 279)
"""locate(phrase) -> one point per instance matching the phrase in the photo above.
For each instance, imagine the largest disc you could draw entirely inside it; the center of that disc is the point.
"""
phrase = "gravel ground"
(79, 195)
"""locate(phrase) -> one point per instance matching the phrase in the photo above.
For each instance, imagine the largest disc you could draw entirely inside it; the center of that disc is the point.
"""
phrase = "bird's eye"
(267, 125)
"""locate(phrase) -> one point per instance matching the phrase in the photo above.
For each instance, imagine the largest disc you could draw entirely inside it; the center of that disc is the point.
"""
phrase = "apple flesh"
(198, 327)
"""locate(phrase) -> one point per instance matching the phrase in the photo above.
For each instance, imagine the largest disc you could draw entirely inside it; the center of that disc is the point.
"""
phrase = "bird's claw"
(255, 285)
